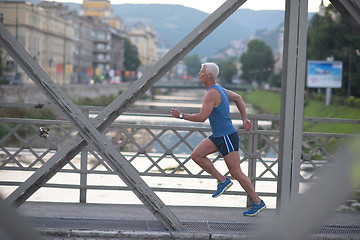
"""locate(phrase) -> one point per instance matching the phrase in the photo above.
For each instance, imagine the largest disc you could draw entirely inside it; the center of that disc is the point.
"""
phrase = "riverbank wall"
(33, 94)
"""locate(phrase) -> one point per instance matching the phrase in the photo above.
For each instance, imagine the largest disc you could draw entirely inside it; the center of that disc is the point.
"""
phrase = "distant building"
(116, 55)
(96, 8)
(84, 47)
(322, 8)
(101, 9)
(144, 37)
(70, 48)
(108, 51)
(48, 38)
(335, 15)
(101, 51)
(279, 53)
(108, 39)
(82, 38)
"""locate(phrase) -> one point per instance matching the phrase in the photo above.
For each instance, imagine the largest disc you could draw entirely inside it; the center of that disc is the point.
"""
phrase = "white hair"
(211, 68)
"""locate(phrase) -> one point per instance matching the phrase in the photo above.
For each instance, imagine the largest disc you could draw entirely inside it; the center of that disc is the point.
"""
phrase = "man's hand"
(247, 125)
(175, 113)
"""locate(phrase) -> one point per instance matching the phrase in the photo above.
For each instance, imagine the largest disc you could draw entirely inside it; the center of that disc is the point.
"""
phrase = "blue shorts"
(226, 144)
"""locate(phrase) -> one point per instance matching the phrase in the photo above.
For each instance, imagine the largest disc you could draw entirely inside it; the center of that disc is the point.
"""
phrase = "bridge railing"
(160, 153)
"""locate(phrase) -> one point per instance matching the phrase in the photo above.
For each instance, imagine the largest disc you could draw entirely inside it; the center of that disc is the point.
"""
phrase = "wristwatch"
(181, 115)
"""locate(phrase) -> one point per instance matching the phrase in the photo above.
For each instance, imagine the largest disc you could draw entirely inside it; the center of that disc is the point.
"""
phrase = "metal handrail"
(253, 145)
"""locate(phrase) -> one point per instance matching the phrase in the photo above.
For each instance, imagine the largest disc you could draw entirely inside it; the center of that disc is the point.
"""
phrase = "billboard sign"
(324, 74)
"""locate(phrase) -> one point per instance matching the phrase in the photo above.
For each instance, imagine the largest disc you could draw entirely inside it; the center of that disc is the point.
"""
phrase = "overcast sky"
(210, 6)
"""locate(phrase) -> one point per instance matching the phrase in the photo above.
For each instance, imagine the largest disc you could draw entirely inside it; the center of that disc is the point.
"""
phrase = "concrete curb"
(139, 235)
(149, 235)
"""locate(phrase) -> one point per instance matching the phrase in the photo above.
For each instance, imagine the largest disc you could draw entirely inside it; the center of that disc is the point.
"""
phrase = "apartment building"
(84, 47)
(48, 38)
(70, 47)
(108, 39)
(82, 37)
(144, 37)
(96, 8)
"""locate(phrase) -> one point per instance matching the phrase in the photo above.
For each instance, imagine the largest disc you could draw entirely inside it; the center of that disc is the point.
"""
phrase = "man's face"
(203, 76)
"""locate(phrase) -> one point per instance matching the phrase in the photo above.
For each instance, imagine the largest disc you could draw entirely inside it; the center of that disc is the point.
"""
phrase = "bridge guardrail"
(160, 152)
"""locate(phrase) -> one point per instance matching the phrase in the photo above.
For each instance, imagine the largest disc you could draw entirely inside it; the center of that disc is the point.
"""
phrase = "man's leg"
(232, 161)
(199, 155)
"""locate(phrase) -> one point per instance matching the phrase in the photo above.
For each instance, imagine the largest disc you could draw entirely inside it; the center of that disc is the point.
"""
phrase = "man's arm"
(239, 102)
(210, 100)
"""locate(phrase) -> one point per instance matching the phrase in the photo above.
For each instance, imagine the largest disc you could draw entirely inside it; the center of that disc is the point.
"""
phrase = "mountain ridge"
(173, 22)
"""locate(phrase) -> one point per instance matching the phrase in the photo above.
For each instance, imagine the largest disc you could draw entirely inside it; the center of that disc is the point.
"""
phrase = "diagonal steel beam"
(104, 119)
(87, 129)
(350, 11)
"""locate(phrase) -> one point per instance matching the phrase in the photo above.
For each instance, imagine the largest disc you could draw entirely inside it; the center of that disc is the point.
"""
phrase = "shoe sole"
(225, 188)
(254, 214)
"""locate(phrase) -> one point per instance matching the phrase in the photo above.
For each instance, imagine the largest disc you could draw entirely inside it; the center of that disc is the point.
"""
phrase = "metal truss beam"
(292, 100)
(350, 11)
(90, 131)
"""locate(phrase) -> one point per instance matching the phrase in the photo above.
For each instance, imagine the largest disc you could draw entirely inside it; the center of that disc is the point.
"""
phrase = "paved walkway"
(105, 221)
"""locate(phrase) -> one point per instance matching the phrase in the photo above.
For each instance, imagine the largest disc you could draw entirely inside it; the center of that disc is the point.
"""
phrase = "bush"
(335, 100)
(33, 113)
(357, 102)
(319, 97)
(99, 101)
(3, 130)
(349, 102)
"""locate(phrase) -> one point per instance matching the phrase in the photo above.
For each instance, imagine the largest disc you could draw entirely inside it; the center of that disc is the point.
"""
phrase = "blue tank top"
(219, 118)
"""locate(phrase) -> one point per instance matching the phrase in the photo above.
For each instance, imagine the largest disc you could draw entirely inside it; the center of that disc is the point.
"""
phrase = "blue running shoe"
(255, 209)
(222, 187)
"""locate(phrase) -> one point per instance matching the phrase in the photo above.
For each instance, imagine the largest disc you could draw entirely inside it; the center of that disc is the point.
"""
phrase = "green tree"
(330, 35)
(131, 56)
(227, 70)
(275, 80)
(193, 64)
(257, 62)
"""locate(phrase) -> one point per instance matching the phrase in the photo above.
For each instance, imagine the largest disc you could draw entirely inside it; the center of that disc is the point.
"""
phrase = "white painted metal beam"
(292, 100)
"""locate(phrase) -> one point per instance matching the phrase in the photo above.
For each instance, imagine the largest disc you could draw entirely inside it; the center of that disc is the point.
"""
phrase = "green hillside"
(173, 22)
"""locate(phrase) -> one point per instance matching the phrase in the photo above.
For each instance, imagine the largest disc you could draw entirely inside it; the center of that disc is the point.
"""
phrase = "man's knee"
(233, 173)
(194, 156)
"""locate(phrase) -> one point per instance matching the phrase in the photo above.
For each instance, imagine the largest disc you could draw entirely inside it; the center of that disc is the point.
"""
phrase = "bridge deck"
(104, 221)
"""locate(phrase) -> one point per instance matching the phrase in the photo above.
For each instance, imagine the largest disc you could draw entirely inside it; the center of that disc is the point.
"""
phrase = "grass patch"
(270, 103)
(265, 101)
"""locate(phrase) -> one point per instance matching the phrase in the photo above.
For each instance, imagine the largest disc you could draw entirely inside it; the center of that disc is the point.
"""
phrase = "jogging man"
(224, 138)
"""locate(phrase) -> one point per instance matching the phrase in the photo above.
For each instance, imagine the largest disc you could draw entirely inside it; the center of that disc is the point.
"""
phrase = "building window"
(100, 57)
(100, 46)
